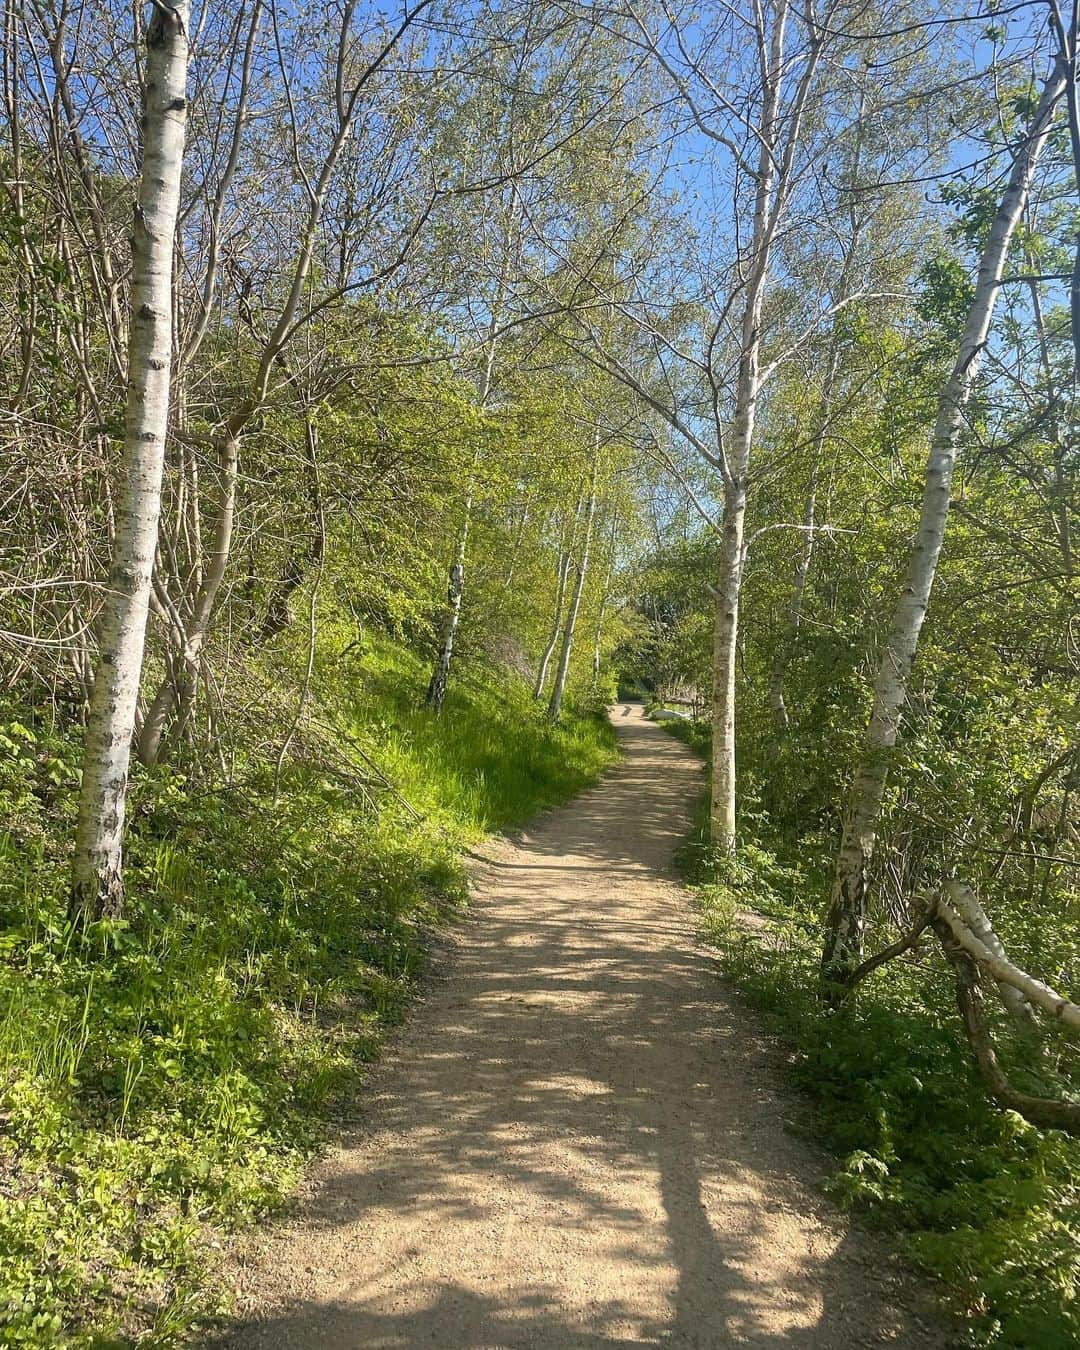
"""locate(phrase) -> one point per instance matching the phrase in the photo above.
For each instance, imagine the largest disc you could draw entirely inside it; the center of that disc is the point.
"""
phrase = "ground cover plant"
(984, 1201)
(163, 1077)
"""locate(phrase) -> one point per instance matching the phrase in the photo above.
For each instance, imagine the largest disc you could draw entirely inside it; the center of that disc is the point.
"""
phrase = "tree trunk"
(558, 689)
(97, 867)
(177, 690)
(436, 690)
(556, 624)
(565, 557)
(846, 917)
(455, 590)
(601, 610)
(725, 647)
(768, 208)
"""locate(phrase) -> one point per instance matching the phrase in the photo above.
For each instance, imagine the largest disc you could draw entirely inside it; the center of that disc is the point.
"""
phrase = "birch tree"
(846, 917)
(97, 867)
(581, 569)
(751, 87)
(566, 556)
(351, 70)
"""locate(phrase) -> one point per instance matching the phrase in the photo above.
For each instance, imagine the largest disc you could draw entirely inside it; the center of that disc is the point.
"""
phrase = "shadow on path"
(577, 1142)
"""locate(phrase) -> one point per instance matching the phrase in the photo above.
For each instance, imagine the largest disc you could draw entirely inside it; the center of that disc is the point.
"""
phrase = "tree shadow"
(578, 1142)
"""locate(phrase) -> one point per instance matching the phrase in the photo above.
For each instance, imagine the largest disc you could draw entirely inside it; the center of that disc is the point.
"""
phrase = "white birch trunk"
(97, 866)
(993, 960)
(556, 624)
(179, 691)
(768, 205)
(558, 689)
(605, 596)
(455, 590)
(965, 903)
(725, 652)
(722, 809)
(846, 918)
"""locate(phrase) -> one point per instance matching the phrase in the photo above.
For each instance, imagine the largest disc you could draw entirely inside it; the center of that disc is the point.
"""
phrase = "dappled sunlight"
(573, 1144)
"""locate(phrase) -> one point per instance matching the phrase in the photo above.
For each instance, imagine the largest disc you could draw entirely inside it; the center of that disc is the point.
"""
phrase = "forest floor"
(579, 1138)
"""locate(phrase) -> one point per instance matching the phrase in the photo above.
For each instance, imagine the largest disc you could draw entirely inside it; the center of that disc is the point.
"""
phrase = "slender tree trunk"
(177, 692)
(601, 610)
(846, 917)
(508, 581)
(722, 812)
(565, 558)
(440, 676)
(97, 866)
(455, 589)
(556, 624)
(725, 648)
(558, 689)
(769, 201)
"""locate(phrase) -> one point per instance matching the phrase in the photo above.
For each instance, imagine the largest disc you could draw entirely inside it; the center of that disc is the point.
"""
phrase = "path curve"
(578, 1141)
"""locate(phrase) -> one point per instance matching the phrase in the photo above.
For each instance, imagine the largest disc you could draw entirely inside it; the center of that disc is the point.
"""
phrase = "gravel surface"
(579, 1139)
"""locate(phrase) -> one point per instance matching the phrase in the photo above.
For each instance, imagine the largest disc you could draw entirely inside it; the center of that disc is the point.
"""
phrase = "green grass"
(490, 759)
(162, 1083)
(982, 1200)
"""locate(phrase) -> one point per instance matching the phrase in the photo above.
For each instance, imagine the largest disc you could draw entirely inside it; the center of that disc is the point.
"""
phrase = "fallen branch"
(1045, 1112)
(1003, 971)
(967, 907)
(973, 949)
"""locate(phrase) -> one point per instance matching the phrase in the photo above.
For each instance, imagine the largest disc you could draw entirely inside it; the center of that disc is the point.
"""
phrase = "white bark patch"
(847, 910)
(97, 879)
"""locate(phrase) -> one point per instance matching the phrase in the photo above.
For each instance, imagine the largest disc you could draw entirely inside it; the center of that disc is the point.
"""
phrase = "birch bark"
(558, 689)
(556, 624)
(846, 917)
(97, 867)
(455, 590)
(722, 815)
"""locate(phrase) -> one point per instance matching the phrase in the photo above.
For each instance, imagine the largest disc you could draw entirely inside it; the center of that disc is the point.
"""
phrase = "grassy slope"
(983, 1200)
(166, 1083)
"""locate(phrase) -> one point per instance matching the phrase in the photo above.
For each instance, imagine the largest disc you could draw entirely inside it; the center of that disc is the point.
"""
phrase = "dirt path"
(577, 1141)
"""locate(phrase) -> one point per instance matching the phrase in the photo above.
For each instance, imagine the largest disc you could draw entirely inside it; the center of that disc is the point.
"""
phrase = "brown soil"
(579, 1140)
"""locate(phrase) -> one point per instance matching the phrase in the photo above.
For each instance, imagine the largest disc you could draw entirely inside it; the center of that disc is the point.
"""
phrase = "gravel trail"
(579, 1139)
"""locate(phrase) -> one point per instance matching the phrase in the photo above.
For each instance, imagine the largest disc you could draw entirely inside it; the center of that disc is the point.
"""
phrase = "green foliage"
(945, 294)
(986, 1202)
(162, 1081)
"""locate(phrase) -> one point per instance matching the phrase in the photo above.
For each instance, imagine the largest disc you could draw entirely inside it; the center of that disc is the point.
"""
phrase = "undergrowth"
(163, 1080)
(983, 1200)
